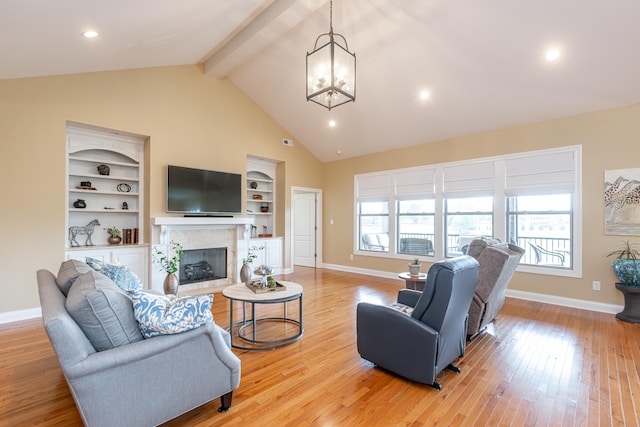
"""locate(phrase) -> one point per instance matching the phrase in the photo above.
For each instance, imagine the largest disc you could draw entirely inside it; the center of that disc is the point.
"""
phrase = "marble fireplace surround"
(202, 233)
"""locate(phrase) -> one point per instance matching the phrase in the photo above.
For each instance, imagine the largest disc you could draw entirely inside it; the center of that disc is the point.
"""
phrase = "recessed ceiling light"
(424, 95)
(338, 152)
(89, 34)
(552, 54)
(332, 123)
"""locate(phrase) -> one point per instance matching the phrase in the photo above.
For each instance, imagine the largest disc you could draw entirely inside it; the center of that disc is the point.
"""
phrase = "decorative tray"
(255, 287)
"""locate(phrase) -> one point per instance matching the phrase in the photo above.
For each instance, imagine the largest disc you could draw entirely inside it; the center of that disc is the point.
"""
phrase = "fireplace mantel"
(201, 220)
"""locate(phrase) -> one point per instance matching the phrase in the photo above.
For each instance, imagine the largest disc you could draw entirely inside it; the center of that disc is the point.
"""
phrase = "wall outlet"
(351, 257)
(596, 285)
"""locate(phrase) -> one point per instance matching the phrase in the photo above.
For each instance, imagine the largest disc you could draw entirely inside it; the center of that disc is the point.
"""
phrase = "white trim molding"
(565, 302)
(18, 315)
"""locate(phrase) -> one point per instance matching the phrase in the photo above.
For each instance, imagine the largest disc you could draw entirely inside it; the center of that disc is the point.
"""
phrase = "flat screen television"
(203, 192)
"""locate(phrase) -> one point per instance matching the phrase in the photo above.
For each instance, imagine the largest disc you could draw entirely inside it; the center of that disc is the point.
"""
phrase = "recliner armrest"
(409, 297)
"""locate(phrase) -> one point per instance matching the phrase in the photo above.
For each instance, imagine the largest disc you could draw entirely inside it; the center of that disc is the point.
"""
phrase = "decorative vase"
(627, 271)
(245, 273)
(414, 269)
(80, 204)
(171, 284)
(114, 240)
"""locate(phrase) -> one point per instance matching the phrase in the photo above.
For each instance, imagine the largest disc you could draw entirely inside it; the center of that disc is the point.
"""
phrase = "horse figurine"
(87, 230)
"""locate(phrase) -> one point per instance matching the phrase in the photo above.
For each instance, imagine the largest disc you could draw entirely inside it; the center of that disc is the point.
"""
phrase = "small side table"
(631, 311)
(414, 282)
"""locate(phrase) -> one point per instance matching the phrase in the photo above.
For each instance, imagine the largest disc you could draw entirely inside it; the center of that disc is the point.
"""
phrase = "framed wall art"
(622, 202)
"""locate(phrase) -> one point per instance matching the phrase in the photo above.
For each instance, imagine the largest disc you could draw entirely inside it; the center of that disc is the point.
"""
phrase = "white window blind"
(373, 186)
(548, 172)
(471, 179)
(418, 183)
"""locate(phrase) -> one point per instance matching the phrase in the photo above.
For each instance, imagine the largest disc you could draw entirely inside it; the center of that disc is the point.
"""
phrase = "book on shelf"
(130, 236)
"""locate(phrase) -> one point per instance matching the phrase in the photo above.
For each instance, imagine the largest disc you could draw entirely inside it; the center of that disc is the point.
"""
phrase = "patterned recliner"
(498, 262)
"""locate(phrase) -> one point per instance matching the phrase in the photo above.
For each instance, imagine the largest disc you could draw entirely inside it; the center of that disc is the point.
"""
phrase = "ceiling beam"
(267, 27)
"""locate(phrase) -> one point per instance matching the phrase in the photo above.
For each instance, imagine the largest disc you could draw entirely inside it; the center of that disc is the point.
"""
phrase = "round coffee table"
(242, 293)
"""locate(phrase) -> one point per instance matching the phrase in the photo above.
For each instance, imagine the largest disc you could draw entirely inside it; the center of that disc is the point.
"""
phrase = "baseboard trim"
(361, 271)
(565, 302)
(16, 316)
(530, 296)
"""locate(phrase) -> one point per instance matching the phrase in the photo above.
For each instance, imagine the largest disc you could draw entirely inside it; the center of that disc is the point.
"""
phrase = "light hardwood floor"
(537, 365)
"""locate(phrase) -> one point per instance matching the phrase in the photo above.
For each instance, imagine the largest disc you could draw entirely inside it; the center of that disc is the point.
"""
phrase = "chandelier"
(331, 70)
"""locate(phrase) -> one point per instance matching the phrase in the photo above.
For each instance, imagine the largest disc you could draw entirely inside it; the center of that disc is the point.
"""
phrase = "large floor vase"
(171, 284)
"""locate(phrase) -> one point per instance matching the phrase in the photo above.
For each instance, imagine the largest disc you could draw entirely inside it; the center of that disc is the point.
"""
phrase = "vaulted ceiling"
(482, 62)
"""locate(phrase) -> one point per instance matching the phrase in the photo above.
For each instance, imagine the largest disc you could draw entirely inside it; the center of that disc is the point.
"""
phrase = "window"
(541, 224)
(415, 226)
(466, 219)
(531, 199)
(374, 226)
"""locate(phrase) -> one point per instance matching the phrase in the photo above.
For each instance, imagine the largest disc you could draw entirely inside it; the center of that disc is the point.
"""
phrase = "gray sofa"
(498, 261)
(143, 383)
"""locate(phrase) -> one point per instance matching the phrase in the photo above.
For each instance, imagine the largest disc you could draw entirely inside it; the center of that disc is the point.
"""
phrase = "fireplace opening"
(202, 265)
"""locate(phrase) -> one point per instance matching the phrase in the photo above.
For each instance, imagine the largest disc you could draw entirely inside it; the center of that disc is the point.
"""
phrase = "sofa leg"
(225, 400)
(453, 368)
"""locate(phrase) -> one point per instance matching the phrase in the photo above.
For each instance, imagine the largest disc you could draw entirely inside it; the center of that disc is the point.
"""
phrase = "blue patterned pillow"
(162, 314)
(121, 275)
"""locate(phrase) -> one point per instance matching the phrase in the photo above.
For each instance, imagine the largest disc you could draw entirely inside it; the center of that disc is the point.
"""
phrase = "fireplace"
(207, 272)
(201, 265)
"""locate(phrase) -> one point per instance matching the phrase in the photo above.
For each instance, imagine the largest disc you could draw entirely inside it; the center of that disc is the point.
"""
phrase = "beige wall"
(191, 119)
(609, 139)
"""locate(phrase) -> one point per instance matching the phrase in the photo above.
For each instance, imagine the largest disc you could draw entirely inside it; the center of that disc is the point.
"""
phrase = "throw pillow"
(121, 275)
(103, 311)
(69, 272)
(162, 314)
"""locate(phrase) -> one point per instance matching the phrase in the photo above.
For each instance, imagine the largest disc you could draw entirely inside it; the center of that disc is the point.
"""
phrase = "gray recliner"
(498, 261)
(424, 332)
(144, 383)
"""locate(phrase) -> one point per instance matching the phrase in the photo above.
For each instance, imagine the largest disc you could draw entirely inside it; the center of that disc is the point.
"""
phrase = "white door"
(304, 229)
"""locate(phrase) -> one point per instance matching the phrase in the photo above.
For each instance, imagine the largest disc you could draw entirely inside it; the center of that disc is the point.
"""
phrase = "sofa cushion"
(103, 311)
(163, 314)
(121, 275)
(69, 272)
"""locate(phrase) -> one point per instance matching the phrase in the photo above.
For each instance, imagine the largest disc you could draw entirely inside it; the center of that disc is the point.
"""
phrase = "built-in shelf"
(124, 155)
(261, 174)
